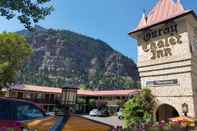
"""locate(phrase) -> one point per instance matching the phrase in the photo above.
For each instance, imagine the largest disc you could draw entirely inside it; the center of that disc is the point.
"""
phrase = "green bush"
(139, 110)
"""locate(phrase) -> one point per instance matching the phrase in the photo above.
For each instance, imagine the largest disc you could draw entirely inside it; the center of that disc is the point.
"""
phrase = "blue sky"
(108, 20)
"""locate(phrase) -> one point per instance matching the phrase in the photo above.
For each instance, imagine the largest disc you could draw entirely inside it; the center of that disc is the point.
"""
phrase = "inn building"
(167, 58)
(49, 98)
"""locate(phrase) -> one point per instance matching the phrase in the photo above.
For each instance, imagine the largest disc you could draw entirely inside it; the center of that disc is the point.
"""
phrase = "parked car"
(50, 113)
(105, 113)
(95, 112)
(21, 115)
(120, 114)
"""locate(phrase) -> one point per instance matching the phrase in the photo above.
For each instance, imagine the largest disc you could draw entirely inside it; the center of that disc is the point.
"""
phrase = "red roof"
(79, 92)
(164, 10)
(37, 88)
(108, 93)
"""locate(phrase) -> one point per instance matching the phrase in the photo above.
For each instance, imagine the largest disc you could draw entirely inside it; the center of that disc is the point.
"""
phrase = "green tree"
(14, 50)
(139, 109)
(83, 87)
(26, 11)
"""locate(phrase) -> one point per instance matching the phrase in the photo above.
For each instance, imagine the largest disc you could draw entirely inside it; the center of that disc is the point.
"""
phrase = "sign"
(167, 29)
(162, 83)
(162, 47)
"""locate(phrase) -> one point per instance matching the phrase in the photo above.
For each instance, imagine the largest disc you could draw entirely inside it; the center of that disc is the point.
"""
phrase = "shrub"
(139, 110)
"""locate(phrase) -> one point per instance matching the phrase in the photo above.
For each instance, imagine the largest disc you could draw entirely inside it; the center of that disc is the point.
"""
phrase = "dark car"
(21, 115)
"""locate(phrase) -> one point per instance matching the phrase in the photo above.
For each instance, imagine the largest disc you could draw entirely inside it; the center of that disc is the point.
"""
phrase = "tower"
(167, 57)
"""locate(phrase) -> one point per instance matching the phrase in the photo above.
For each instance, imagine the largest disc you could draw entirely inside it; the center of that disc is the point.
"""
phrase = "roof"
(164, 10)
(45, 124)
(108, 93)
(16, 100)
(55, 90)
(20, 100)
(78, 123)
(37, 88)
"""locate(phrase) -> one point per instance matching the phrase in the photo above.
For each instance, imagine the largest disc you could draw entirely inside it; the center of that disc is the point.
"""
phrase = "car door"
(4, 111)
(6, 117)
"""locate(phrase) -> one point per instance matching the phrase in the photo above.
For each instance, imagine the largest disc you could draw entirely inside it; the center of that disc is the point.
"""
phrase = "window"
(4, 110)
(20, 95)
(39, 96)
(26, 111)
(27, 95)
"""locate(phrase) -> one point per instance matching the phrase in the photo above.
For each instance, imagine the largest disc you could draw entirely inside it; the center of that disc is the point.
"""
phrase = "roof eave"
(184, 14)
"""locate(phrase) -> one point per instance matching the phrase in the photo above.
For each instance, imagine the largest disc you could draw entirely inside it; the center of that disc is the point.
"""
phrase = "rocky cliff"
(63, 57)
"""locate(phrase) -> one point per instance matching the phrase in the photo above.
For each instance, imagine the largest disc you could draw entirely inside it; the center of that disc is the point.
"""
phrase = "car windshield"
(26, 111)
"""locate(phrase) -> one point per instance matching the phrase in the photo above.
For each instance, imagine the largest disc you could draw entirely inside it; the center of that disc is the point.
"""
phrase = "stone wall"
(192, 29)
(179, 64)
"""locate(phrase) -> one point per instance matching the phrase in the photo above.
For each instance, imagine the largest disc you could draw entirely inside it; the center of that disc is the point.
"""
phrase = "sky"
(107, 20)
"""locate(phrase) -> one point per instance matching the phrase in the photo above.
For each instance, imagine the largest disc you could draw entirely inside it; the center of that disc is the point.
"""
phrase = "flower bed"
(161, 126)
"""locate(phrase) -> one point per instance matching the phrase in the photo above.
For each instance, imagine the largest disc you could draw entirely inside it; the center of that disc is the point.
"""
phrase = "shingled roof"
(164, 10)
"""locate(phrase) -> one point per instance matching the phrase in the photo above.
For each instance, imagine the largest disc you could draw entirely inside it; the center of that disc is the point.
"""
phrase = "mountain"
(27, 33)
(62, 57)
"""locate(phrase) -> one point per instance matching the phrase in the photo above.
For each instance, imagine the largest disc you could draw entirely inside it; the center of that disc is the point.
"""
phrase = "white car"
(50, 113)
(120, 114)
(95, 112)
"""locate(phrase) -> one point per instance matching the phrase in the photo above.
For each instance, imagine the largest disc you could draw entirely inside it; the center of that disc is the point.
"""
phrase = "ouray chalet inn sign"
(162, 47)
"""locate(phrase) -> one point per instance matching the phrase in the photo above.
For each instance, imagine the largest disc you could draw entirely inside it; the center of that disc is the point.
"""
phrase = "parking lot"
(112, 120)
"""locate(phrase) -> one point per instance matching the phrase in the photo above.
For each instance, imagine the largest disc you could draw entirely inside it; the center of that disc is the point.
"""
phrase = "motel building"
(114, 99)
(167, 58)
(49, 98)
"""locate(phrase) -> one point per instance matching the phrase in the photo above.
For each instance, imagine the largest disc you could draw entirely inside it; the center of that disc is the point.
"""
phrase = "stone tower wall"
(192, 29)
(176, 71)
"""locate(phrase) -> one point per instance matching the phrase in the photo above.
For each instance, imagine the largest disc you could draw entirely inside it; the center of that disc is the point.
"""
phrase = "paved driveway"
(112, 120)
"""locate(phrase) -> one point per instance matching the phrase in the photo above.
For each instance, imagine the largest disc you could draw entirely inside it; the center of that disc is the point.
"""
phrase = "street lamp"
(185, 108)
(69, 96)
